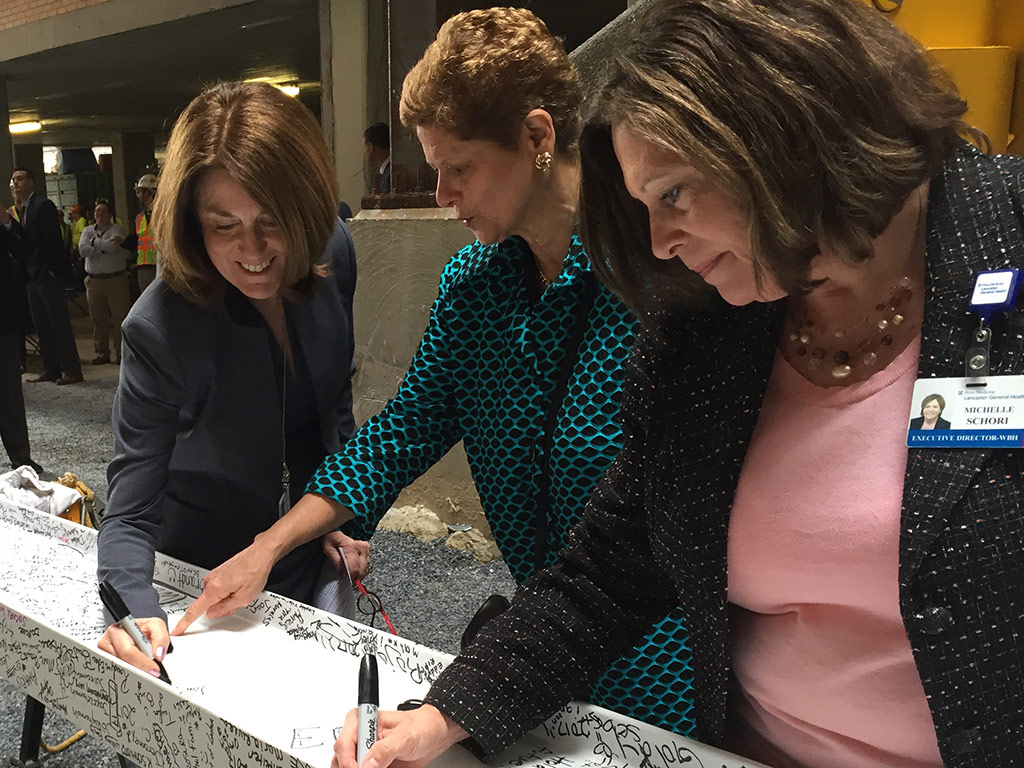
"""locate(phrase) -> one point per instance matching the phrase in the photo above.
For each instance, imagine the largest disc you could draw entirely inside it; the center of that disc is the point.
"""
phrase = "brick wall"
(18, 12)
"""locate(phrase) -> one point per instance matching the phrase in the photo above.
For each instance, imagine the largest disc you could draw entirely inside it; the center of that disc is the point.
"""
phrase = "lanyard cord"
(284, 401)
(285, 502)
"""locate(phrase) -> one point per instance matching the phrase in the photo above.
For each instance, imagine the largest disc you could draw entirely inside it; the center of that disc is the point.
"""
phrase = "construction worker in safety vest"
(78, 225)
(146, 262)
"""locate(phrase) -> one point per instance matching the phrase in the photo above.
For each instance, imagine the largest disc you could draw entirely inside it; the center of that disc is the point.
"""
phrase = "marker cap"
(368, 693)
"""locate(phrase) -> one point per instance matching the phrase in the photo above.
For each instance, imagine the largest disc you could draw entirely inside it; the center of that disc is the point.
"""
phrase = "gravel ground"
(69, 428)
(429, 591)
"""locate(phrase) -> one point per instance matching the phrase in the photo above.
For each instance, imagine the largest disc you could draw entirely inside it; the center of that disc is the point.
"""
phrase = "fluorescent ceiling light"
(30, 127)
(287, 83)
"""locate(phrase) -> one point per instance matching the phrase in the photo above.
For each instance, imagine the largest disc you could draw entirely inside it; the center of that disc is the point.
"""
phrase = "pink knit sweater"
(823, 672)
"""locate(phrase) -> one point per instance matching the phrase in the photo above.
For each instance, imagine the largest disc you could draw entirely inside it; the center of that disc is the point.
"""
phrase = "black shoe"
(28, 463)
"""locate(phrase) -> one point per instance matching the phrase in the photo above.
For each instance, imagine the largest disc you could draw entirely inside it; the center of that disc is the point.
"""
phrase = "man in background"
(48, 270)
(106, 283)
(78, 225)
(142, 241)
(377, 143)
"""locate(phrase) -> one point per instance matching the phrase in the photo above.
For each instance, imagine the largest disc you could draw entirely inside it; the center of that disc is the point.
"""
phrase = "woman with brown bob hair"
(931, 414)
(522, 356)
(851, 603)
(256, 135)
(237, 361)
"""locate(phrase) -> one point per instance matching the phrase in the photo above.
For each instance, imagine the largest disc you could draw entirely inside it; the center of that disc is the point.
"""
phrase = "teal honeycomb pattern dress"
(490, 360)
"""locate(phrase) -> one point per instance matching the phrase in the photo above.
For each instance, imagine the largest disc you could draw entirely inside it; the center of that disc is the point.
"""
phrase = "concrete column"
(6, 148)
(132, 154)
(31, 156)
(343, 57)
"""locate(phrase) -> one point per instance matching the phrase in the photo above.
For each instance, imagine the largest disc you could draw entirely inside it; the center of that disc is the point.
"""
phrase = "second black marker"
(369, 699)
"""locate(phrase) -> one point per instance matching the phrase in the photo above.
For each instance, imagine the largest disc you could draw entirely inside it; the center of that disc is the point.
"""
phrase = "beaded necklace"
(859, 343)
(863, 343)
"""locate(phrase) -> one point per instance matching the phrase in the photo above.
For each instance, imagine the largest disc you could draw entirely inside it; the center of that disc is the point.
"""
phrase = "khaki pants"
(108, 306)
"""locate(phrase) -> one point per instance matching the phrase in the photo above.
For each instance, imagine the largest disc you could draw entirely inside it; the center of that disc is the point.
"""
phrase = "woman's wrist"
(311, 517)
(271, 546)
(453, 732)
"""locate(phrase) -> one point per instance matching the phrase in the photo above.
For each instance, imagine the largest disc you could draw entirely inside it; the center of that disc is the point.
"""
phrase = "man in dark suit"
(377, 143)
(13, 424)
(48, 269)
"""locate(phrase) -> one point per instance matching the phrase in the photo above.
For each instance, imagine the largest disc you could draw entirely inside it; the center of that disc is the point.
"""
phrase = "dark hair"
(273, 147)
(816, 117)
(486, 71)
(103, 201)
(937, 398)
(379, 135)
(26, 171)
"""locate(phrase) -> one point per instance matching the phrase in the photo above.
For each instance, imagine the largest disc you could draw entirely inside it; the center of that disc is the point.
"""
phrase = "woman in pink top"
(852, 603)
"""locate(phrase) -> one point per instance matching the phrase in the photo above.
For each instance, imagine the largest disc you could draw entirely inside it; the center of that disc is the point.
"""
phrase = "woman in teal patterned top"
(522, 356)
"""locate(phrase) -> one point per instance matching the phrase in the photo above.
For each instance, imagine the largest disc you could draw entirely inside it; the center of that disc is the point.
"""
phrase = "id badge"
(957, 413)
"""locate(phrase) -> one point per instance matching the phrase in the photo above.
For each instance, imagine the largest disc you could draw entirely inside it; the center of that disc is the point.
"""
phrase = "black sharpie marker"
(368, 702)
(115, 607)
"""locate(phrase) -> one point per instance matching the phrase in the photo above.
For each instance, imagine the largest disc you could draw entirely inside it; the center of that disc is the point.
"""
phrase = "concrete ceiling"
(139, 81)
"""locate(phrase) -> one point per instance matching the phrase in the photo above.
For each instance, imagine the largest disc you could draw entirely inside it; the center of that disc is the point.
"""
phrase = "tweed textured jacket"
(655, 531)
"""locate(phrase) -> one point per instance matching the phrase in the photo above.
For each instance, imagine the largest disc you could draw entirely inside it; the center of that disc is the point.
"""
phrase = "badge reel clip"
(994, 291)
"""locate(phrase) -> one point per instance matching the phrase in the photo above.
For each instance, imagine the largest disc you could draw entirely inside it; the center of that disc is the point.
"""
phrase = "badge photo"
(956, 413)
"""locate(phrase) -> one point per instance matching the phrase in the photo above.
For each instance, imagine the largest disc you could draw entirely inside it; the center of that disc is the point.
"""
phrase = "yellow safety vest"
(147, 246)
(77, 228)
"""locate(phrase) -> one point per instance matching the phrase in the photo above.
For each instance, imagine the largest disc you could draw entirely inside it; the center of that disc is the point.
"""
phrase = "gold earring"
(543, 162)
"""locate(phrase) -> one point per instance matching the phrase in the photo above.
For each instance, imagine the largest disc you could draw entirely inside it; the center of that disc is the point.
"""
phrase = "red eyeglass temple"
(387, 619)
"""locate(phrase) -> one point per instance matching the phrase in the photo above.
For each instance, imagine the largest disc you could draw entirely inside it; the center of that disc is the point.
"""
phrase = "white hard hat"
(147, 181)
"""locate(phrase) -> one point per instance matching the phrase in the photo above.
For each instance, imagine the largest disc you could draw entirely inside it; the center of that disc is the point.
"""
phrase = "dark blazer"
(13, 252)
(917, 423)
(196, 472)
(656, 529)
(47, 254)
